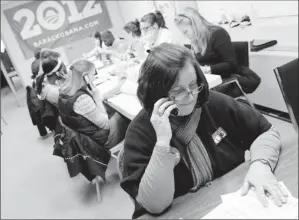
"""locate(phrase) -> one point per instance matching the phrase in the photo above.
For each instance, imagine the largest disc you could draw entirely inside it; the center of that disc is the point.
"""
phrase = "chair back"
(241, 49)
(287, 77)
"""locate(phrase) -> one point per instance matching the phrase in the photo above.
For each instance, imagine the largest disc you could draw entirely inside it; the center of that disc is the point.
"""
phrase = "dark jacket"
(78, 122)
(82, 154)
(220, 54)
(241, 123)
(41, 111)
(82, 139)
(34, 105)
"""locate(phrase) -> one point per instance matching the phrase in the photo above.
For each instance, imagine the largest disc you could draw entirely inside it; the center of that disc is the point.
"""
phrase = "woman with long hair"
(211, 44)
(215, 52)
(81, 106)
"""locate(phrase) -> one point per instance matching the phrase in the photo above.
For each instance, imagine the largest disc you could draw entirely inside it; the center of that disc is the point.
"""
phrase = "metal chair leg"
(245, 95)
(98, 190)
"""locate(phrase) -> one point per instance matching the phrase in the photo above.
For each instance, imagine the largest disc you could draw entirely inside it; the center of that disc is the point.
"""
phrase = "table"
(197, 205)
(127, 102)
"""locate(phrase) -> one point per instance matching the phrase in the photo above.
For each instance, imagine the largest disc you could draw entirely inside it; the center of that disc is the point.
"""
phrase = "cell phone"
(175, 112)
(88, 82)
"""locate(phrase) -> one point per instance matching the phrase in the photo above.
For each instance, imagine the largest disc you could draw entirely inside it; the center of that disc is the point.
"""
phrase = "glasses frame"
(190, 92)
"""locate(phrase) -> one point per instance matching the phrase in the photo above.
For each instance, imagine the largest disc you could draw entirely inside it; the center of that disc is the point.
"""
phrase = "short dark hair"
(153, 18)
(106, 34)
(160, 71)
(133, 27)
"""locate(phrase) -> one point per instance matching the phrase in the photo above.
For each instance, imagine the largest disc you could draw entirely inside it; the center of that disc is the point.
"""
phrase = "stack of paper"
(235, 206)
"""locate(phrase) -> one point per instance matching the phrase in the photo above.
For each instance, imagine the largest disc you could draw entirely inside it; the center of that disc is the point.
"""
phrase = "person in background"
(133, 28)
(167, 155)
(135, 48)
(154, 30)
(81, 106)
(52, 73)
(211, 44)
(34, 104)
(98, 46)
(214, 51)
(113, 44)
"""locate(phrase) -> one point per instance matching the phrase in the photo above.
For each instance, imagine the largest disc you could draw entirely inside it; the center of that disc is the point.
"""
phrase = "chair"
(114, 154)
(287, 78)
(242, 54)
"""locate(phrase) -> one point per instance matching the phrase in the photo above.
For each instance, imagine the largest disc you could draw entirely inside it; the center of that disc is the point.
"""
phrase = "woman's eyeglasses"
(148, 29)
(179, 96)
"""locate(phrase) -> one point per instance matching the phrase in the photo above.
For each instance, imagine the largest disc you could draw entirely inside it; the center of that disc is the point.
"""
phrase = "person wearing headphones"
(52, 74)
(186, 136)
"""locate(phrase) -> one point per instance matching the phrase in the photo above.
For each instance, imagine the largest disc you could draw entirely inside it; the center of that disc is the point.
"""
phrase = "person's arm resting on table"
(265, 149)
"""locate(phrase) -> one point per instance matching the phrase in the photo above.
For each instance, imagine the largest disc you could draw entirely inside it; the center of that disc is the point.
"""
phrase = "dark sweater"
(241, 123)
(220, 54)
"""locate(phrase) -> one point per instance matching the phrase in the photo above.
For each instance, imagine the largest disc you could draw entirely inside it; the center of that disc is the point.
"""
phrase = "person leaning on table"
(167, 156)
(214, 50)
(98, 49)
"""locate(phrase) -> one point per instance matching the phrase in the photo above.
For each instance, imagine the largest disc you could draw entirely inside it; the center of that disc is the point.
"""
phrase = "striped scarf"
(200, 164)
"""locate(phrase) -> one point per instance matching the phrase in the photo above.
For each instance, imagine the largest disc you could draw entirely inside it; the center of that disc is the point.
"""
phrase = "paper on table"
(126, 104)
(235, 206)
(129, 87)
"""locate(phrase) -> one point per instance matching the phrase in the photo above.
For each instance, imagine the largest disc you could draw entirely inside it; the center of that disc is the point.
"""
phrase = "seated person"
(81, 108)
(52, 73)
(98, 46)
(210, 43)
(167, 155)
(154, 30)
(135, 47)
(214, 51)
(133, 28)
(114, 45)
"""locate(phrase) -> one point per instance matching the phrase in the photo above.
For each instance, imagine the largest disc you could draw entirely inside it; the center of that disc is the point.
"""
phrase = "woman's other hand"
(160, 121)
(262, 179)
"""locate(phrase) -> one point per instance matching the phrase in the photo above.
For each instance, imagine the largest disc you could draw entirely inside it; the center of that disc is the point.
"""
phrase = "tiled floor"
(35, 184)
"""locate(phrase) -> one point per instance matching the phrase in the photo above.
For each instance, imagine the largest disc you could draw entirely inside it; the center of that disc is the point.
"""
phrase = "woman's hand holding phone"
(160, 121)
(91, 88)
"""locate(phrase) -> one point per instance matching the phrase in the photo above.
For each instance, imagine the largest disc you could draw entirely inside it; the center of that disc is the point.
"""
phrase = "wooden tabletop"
(197, 205)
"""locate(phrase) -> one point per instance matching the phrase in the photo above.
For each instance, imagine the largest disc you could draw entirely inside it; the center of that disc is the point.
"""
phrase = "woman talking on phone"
(81, 106)
(168, 154)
